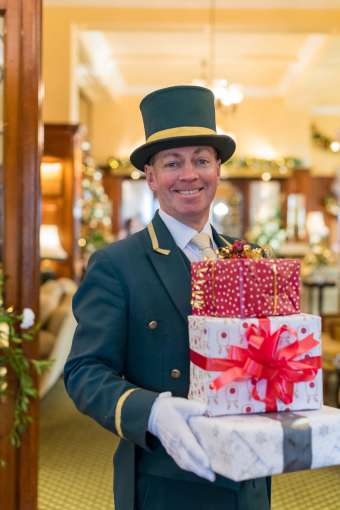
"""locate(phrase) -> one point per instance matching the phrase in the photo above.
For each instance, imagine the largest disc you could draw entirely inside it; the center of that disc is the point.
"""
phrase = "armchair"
(57, 328)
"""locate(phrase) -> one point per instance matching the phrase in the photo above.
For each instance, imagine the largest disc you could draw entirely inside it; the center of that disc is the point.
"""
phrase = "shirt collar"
(181, 233)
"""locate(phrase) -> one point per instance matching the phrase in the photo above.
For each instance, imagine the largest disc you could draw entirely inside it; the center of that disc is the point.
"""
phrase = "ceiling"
(199, 4)
(301, 67)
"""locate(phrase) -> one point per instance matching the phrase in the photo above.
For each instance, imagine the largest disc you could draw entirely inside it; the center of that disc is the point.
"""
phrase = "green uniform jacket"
(132, 310)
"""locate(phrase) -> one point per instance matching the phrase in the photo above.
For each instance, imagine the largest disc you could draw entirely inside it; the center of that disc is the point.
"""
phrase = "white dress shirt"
(183, 234)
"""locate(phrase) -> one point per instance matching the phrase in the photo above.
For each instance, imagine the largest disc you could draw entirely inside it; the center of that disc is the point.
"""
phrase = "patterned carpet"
(76, 469)
(75, 458)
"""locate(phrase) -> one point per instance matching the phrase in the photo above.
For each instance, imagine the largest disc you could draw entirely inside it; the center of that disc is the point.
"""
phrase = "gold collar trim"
(154, 241)
(227, 243)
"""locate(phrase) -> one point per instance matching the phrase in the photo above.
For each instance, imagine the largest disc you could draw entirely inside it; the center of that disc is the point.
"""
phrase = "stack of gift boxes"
(251, 352)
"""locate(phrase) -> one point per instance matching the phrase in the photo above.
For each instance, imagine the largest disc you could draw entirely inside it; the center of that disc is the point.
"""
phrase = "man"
(129, 364)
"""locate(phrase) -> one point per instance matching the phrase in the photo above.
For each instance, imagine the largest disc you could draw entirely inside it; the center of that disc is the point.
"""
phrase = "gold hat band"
(180, 131)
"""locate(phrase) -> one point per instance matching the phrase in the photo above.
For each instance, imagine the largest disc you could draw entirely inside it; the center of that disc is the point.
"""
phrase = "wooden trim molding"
(18, 481)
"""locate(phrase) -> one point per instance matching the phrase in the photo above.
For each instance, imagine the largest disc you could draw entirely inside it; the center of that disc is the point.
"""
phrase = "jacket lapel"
(169, 264)
(221, 241)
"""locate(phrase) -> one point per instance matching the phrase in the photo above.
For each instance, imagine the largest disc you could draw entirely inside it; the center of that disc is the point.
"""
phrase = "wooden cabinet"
(61, 171)
(113, 188)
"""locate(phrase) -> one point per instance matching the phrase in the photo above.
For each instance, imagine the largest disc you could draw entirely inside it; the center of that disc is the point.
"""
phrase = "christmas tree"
(96, 210)
(268, 233)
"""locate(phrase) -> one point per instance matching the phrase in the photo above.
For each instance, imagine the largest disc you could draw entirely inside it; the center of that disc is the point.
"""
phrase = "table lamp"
(50, 249)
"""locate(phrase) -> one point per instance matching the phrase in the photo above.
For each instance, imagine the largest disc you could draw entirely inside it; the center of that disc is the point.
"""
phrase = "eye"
(171, 164)
(202, 162)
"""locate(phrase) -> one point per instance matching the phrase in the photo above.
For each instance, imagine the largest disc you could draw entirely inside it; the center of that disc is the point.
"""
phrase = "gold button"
(175, 373)
(153, 325)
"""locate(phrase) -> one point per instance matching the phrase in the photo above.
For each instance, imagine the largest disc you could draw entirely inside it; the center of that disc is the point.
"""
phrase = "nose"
(188, 172)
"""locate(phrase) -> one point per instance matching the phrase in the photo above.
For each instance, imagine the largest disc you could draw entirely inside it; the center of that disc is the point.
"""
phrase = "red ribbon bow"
(264, 360)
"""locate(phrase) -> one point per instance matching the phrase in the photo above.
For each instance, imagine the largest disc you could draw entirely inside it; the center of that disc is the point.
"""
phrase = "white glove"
(169, 422)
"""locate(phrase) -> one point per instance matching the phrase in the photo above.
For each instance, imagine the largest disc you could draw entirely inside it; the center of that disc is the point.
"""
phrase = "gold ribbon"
(274, 269)
(213, 268)
(180, 131)
(202, 276)
(198, 282)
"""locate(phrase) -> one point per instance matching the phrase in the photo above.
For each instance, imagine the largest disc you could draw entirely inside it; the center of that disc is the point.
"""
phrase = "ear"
(218, 163)
(150, 177)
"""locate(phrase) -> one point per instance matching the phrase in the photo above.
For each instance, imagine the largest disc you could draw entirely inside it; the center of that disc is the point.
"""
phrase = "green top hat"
(180, 116)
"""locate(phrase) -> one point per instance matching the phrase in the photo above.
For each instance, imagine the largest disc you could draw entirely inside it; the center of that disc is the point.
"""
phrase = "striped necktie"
(203, 242)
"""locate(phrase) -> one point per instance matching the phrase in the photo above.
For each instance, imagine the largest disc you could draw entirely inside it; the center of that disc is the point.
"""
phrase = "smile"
(189, 192)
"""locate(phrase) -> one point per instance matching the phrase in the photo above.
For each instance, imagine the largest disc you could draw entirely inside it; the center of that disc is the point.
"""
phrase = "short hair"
(152, 159)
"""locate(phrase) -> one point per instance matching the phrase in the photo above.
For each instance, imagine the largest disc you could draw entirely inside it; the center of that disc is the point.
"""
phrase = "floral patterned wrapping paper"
(245, 287)
(259, 440)
(213, 338)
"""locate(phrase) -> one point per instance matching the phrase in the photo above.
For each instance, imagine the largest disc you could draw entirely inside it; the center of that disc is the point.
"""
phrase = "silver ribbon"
(297, 441)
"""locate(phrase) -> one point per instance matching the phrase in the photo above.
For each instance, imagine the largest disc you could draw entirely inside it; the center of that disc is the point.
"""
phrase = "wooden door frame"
(22, 150)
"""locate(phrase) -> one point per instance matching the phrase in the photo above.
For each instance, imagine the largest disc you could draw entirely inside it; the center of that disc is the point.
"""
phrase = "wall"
(86, 115)
(268, 128)
(56, 65)
(117, 129)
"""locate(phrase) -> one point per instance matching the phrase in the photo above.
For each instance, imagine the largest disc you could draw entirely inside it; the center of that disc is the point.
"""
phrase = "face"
(185, 180)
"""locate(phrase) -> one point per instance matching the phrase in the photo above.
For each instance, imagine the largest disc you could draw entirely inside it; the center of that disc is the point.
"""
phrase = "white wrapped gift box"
(212, 338)
(253, 446)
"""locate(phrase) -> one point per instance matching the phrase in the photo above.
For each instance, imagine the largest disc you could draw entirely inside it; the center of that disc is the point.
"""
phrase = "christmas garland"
(274, 166)
(323, 141)
(331, 204)
(15, 330)
(265, 165)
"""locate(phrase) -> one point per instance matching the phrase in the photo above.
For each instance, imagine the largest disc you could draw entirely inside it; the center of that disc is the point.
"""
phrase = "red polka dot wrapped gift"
(243, 287)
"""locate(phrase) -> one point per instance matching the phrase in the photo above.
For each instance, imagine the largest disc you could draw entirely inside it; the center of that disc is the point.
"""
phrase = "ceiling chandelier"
(227, 95)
